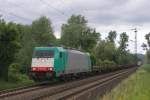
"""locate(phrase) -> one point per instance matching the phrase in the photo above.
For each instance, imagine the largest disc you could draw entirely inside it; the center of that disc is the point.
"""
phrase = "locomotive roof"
(47, 48)
(60, 49)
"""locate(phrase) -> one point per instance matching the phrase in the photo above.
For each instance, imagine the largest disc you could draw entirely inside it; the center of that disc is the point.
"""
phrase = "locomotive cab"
(43, 60)
(48, 62)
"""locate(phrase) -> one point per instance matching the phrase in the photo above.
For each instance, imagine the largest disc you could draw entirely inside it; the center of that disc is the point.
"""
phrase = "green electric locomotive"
(58, 62)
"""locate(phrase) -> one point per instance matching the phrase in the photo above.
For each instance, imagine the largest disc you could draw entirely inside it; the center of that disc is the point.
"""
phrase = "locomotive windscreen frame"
(43, 54)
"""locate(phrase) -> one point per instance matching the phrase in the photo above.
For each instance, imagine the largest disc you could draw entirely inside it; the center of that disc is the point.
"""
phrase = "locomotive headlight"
(33, 69)
(51, 69)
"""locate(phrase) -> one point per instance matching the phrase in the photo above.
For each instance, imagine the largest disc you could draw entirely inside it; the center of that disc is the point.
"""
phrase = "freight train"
(58, 62)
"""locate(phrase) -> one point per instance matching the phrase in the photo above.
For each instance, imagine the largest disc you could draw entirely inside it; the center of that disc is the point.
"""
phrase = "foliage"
(144, 46)
(9, 46)
(123, 54)
(77, 34)
(108, 62)
(147, 37)
(147, 47)
(106, 51)
(42, 32)
(146, 67)
(112, 36)
(148, 56)
(123, 42)
(14, 74)
(27, 43)
(93, 59)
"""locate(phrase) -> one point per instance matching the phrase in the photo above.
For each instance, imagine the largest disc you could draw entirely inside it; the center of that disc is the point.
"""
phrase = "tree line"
(17, 42)
(146, 46)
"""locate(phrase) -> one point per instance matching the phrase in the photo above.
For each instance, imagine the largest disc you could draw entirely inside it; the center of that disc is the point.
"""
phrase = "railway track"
(66, 90)
(20, 90)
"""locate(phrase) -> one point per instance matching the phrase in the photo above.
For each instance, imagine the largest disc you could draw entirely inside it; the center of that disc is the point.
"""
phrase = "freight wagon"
(57, 62)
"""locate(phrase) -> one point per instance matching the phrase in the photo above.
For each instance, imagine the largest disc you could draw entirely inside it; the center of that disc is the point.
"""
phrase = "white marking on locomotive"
(42, 62)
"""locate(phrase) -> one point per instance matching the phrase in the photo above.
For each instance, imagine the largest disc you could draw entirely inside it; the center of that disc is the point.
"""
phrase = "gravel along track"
(65, 90)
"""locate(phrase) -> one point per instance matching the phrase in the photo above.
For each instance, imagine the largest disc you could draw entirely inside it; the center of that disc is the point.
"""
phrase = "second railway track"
(67, 90)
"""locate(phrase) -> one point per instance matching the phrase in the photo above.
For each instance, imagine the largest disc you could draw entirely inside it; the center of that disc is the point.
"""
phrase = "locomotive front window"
(44, 54)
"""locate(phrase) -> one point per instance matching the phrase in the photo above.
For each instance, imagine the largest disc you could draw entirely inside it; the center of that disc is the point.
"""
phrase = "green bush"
(108, 62)
(148, 57)
(146, 67)
(93, 59)
(14, 74)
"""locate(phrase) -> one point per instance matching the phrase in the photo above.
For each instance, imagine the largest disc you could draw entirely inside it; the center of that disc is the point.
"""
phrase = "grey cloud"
(100, 12)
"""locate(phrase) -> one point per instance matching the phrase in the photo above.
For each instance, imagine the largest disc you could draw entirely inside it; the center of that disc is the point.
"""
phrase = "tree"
(148, 56)
(42, 32)
(106, 51)
(1, 20)
(24, 55)
(112, 36)
(89, 39)
(147, 37)
(77, 34)
(122, 52)
(123, 42)
(144, 46)
(9, 45)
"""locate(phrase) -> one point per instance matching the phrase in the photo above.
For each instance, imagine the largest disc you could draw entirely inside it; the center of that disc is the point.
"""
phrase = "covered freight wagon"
(58, 62)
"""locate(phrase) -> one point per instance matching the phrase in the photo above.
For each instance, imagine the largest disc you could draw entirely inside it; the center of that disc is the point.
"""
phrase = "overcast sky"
(104, 15)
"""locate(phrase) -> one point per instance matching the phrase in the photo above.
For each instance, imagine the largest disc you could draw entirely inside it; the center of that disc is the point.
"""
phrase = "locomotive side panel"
(77, 62)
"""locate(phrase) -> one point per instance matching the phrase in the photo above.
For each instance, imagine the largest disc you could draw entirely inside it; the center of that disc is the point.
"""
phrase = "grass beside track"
(136, 87)
(10, 85)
